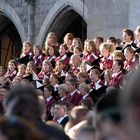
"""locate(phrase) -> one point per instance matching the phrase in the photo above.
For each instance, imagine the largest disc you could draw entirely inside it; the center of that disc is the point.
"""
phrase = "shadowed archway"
(10, 41)
(66, 21)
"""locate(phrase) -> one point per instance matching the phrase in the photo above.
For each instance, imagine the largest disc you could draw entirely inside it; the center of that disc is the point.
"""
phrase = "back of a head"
(131, 94)
(17, 128)
(78, 114)
(86, 133)
(108, 106)
(132, 90)
(130, 104)
(22, 101)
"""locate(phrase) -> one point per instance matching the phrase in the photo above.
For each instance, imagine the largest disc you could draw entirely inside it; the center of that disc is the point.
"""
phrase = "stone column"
(31, 8)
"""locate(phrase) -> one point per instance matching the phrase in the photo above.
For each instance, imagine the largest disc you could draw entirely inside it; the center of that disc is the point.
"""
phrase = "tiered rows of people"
(72, 72)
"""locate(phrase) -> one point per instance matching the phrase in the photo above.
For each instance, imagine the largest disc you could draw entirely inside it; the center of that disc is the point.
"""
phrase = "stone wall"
(104, 17)
(107, 17)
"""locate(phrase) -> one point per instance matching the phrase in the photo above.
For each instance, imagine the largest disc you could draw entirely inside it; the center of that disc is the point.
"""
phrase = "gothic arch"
(10, 13)
(60, 8)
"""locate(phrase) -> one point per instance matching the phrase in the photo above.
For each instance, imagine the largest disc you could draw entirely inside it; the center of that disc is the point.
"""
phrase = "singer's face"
(36, 51)
(137, 36)
(75, 42)
(51, 51)
(126, 37)
(116, 67)
(127, 54)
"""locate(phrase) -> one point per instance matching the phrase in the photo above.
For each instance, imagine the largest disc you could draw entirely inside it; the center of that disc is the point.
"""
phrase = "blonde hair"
(75, 56)
(91, 42)
(47, 62)
(68, 36)
(53, 36)
(117, 54)
(32, 64)
(107, 46)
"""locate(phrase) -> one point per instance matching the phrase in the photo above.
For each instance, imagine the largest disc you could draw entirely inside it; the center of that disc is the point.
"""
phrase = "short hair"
(77, 113)
(83, 75)
(63, 104)
(50, 88)
(63, 87)
(130, 33)
(88, 102)
(112, 39)
(100, 39)
(85, 86)
(73, 82)
(96, 71)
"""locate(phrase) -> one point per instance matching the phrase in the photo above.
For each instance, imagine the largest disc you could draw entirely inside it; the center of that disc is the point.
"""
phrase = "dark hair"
(112, 39)
(120, 63)
(50, 88)
(38, 47)
(130, 33)
(24, 102)
(64, 105)
(88, 103)
(17, 128)
(108, 106)
(100, 39)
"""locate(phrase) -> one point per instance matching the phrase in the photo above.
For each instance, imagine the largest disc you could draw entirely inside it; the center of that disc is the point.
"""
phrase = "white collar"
(133, 59)
(92, 54)
(109, 57)
(51, 58)
(55, 87)
(60, 119)
(49, 98)
(72, 93)
(97, 84)
(84, 97)
(63, 57)
(116, 74)
(62, 98)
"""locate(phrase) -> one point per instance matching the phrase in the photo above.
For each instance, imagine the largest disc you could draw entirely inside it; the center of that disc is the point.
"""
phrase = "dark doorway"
(68, 20)
(10, 41)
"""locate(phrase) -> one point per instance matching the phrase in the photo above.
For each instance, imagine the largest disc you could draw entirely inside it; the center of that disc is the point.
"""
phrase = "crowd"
(73, 90)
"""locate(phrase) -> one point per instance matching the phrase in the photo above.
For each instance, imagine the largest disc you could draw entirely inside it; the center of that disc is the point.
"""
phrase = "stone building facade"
(32, 20)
